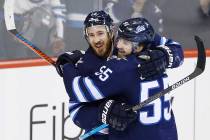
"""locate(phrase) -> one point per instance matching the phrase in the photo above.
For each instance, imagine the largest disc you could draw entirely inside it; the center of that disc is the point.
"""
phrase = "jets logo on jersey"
(104, 73)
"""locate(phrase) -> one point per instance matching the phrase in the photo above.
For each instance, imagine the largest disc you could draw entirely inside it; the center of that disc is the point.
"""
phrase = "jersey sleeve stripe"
(171, 42)
(77, 90)
(72, 106)
(174, 43)
(74, 112)
(92, 89)
(163, 41)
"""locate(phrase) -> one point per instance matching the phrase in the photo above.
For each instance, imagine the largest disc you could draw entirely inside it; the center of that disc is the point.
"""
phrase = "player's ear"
(139, 48)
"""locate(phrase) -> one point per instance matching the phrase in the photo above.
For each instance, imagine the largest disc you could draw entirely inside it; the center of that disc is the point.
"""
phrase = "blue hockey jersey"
(96, 79)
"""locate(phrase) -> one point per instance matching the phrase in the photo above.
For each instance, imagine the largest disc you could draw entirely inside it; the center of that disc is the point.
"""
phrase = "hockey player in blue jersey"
(77, 110)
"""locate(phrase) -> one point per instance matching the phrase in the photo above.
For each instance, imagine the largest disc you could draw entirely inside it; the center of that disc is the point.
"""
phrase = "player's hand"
(153, 64)
(116, 114)
(68, 57)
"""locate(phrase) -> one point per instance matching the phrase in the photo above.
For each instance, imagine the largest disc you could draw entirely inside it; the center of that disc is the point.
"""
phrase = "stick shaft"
(31, 46)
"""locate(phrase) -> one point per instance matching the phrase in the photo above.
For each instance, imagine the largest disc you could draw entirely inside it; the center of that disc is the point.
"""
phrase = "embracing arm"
(85, 115)
(172, 49)
(102, 84)
(163, 53)
(87, 94)
(82, 113)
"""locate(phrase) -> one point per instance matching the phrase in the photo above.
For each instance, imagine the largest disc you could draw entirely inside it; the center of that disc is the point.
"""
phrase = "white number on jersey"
(157, 105)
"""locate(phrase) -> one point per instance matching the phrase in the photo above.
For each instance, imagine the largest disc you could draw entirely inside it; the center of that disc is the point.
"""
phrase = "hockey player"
(97, 54)
(117, 86)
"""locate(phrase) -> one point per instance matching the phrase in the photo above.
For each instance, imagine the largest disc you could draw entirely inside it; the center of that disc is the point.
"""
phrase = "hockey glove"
(115, 114)
(68, 57)
(172, 54)
(153, 64)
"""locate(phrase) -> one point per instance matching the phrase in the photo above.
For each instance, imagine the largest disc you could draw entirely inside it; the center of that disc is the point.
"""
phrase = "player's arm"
(88, 95)
(77, 109)
(94, 87)
(85, 115)
(163, 53)
(91, 95)
(68, 58)
(172, 49)
(89, 115)
(104, 83)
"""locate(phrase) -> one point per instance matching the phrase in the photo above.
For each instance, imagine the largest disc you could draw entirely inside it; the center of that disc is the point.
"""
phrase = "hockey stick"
(10, 25)
(201, 62)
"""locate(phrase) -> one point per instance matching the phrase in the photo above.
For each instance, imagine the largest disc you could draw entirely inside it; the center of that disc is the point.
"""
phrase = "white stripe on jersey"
(74, 113)
(163, 41)
(94, 92)
(174, 43)
(77, 91)
(71, 105)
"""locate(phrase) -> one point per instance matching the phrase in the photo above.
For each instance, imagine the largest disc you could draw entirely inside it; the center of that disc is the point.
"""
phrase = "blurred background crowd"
(56, 26)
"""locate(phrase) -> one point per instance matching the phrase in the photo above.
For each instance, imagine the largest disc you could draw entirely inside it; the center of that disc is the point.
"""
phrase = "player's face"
(124, 47)
(99, 40)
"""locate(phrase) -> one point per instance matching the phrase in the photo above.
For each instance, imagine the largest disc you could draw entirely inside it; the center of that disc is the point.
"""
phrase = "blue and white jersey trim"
(173, 43)
(77, 90)
(74, 113)
(72, 106)
(163, 41)
(92, 89)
